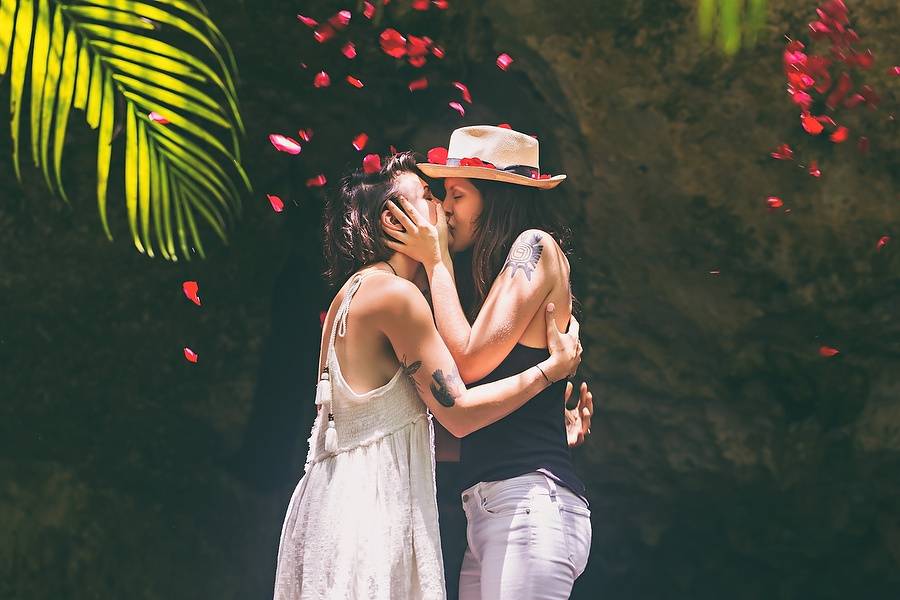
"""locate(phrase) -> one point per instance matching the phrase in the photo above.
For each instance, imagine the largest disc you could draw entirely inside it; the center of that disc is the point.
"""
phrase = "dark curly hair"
(352, 234)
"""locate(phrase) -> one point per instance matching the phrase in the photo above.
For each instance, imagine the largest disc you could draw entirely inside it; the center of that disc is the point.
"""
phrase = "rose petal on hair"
(464, 89)
(349, 50)
(393, 43)
(420, 4)
(437, 51)
(360, 141)
(317, 181)
(354, 81)
(505, 125)
(190, 289)
(814, 169)
(438, 155)
(783, 152)
(324, 33)
(503, 61)
(840, 135)
(283, 143)
(418, 84)
(828, 351)
(308, 21)
(276, 202)
(863, 145)
(190, 355)
(158, 118)
(321, 80)
(305, 134)
(774, 202)
(811, 125)
(882, 242)
(458, 108)
(368, 10)
(371, 163)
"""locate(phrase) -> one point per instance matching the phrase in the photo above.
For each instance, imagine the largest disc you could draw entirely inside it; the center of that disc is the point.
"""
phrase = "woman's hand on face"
(420, 240)
(565, 348)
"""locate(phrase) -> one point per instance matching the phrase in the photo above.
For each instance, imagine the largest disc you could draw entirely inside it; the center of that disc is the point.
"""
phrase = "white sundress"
(363, 521)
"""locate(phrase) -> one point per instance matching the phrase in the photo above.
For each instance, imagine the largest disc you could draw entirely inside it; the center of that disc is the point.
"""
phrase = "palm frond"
(731, 22)
(97, 55)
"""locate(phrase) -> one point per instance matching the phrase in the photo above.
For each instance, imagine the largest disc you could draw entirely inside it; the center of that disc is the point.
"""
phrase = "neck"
(404, 266)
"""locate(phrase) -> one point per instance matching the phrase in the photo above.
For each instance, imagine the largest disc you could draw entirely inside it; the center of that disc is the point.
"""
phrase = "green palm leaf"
(102, 57)
(731, 22)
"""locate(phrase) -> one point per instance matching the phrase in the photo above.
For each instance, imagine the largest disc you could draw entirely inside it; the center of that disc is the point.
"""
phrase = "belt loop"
(551, 485)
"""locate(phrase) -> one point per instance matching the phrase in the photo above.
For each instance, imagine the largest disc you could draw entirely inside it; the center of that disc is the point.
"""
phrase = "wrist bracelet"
(544, 374)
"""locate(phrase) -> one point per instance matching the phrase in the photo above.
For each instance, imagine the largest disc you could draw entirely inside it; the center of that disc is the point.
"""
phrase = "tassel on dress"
(323, 397)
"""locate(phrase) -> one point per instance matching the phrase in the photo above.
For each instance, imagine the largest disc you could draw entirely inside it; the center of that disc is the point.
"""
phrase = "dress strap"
(339, 328)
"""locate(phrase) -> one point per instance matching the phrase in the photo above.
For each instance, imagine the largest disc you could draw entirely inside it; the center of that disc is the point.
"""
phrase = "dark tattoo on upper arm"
(445, 387)
(410, 370)
(525, 255)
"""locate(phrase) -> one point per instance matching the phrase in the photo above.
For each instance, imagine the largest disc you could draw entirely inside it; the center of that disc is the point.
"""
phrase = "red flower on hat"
(371, 164)
(475, 162)
(438, 156)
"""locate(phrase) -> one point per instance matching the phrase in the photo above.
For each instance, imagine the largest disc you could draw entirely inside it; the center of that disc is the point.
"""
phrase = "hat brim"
(441, 171)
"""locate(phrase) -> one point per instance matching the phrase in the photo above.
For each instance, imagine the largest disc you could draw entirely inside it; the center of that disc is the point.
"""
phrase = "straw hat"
(492, 153)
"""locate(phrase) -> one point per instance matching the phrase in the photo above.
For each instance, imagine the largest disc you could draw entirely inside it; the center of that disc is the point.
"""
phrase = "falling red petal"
(811, 125)
(324, 33)
(354, 81)
(438, 156)
(158, 118)
(371, 163)
(191, 288)
(321, 80)
(458, 108)
(863, 145)
(341, 19)
(309, 22)
(417, 61)
(276, 202)
(283, 143)
(305, 134)
(322, 316)
(840, 90)
(814, 169)
(504, 60)
(783, 152)
(418, 84)
(368, 10)
(715, 272)
(464, 89)
(840, 135)
(828, 351)
(437, 51)
(506, 126)
(854, 100)
(420, 4)
(360, 141)
(442, 4)
(349, 50)
(894, 71)
(882, 242)
(190, 355)
(317, 181)
(393, 43)
(774, 202)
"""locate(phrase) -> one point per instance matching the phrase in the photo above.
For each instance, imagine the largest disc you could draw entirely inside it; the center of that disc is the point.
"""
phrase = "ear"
(389, 221)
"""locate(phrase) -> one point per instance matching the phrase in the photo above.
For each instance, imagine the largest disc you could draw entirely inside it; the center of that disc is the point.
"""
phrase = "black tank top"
(533, 438)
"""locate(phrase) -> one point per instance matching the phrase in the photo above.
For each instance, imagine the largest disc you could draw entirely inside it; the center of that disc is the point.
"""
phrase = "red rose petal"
(190, 289)
(317, 181)
(505, 125)
(894, 71)
(826, 120)
(783, 152)
(309, 22)
(324, 33)
(420, 4)
(190, 355)
(321, 80)
(360, 141)
(854, 100)
(341, 19)
(305, 134)
(840, 135)
(865, 60)
(392, 149)
(349, 50)
(458, 108)
(802, 99)
(158, 118)
(811, 125)
(322, 316)
(774, 202)
(418, 84)
(465, 91)
(283, 143)
(863, 145)
(872, 99)
(393, 43)
(882, 242)
(368, 10)
(371, 163)
(715, 272)
(814, 169)
(438, 155)
(503, 61)
(828, 351)
(354, 81)
(437, 51)
(276, 202)
(840, 90)
(417, 61)
(442, 4)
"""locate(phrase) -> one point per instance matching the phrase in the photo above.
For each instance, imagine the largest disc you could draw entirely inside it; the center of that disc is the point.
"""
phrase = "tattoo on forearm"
(445, 387)
(524, 255)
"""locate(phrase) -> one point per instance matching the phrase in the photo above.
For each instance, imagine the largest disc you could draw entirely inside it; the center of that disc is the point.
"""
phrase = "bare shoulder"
(391, 297)
(533, 248)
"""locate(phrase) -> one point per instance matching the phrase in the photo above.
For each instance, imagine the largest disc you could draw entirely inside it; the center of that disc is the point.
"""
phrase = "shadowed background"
(728, 459)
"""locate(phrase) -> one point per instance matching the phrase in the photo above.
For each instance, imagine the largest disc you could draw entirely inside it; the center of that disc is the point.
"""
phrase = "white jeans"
(528, 538)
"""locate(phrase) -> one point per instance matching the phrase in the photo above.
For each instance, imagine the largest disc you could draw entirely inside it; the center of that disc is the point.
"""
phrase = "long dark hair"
(508, 210)
(352, 233)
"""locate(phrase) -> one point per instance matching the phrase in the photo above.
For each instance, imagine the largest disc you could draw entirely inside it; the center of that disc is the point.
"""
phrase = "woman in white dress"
(363, 522)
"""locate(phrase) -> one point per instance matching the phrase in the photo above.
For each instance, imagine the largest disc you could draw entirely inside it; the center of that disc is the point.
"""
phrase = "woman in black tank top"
(528, 520)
